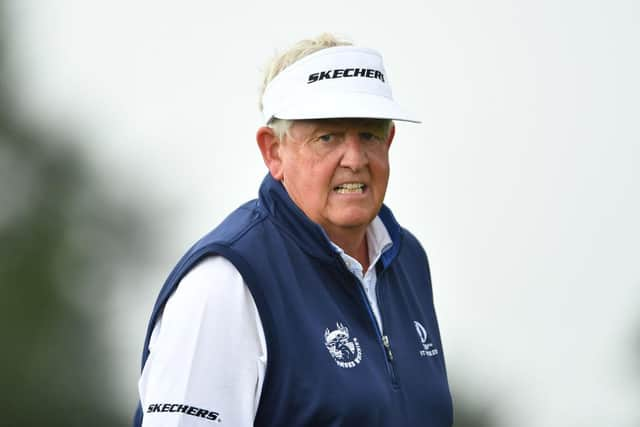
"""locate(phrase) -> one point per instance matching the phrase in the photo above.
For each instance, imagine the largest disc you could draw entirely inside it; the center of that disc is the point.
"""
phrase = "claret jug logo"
(427, 348)
(346, 352)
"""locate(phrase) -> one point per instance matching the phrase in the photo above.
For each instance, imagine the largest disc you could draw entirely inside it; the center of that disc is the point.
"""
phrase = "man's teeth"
(350, 187)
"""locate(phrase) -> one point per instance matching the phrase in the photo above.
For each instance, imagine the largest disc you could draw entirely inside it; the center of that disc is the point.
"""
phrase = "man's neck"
(354, 244)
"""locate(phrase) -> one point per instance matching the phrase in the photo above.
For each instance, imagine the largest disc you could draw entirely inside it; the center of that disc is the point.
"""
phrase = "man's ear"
(270, 148)
(392, 133)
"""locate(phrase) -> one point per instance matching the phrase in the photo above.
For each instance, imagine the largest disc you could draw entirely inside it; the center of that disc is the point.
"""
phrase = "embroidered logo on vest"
(428, 349)
(347, 353)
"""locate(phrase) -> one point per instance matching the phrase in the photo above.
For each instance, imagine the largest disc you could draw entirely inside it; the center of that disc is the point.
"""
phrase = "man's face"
(337, 170)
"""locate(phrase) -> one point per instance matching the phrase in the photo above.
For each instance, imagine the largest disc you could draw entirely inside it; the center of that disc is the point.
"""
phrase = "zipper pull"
(387, 347)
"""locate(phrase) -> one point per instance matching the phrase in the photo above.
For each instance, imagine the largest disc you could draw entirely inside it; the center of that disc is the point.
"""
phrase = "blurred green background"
(61, 236)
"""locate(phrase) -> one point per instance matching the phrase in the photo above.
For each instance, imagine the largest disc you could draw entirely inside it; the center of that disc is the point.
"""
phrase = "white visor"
(338, 82)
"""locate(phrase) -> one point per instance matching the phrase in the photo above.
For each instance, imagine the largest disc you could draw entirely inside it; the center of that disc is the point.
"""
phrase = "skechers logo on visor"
(185, 409)
(339, 73)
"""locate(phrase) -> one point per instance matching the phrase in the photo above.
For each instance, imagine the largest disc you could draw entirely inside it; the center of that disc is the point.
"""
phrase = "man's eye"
(368, 136)
(326, 138)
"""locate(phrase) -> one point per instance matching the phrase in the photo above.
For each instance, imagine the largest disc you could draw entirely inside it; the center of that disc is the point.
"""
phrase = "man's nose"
(355, 155)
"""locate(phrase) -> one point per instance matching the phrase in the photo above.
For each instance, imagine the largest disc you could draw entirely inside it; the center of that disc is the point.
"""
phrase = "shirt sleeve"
(207, 353)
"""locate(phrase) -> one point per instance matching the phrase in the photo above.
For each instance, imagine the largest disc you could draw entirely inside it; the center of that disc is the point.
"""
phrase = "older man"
(310, 305)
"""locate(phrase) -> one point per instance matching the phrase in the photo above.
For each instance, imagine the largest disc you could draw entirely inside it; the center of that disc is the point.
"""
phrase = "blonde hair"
(281, 61)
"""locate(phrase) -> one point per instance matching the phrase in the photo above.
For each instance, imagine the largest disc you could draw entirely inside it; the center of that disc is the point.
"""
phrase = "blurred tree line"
(60, 236)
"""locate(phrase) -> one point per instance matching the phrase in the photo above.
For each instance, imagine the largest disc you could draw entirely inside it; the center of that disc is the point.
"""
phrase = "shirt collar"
(378, 241)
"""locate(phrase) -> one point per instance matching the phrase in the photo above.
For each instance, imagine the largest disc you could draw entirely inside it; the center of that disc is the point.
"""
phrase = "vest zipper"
(384, 341)
(387, 346)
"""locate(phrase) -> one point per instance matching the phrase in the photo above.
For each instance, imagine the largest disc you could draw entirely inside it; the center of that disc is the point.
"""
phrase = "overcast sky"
(522, 182)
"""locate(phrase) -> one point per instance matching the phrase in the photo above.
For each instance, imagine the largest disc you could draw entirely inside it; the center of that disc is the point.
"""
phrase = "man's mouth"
(350, 188)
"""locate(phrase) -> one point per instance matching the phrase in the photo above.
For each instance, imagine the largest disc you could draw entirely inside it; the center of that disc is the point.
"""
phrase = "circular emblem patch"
(346, 352)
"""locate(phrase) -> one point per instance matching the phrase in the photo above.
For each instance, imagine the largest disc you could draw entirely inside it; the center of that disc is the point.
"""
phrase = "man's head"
(328, 110)
(335, 170)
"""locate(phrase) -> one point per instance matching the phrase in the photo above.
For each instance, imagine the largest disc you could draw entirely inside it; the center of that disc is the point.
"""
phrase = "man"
(309, 305)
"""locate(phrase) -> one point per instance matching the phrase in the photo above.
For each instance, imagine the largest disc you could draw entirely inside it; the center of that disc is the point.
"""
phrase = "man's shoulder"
(236, 225)
(222, 240)
(411, 244)
(409, 237)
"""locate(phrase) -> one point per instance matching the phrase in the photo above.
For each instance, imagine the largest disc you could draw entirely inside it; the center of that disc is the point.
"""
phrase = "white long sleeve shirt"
(208, 350)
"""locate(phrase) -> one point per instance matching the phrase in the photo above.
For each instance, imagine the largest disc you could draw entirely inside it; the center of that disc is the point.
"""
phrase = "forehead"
(340, 123)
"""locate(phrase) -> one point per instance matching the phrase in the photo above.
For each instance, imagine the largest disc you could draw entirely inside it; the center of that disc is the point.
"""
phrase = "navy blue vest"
(327, 362)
